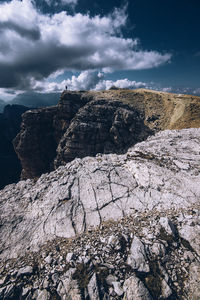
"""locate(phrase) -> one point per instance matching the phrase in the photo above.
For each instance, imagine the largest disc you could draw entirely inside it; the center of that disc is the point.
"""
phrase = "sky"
(95, 44)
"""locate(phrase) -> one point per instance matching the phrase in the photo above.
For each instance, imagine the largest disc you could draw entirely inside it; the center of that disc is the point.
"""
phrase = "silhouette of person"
(66, 87)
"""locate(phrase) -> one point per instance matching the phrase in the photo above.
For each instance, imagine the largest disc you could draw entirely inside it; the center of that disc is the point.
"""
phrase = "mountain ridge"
(71, 126)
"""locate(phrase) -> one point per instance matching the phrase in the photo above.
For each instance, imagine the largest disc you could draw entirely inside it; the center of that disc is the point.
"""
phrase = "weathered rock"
(190, 232)
(68, 288)
(48, 259)
(146, 203)
(69, 257)
(137, 258)
(135, 289)
(93, 290)
(43, 295)
(167, 225)
(117, 288)
(41, 132)
(192, 286)
(25, 271)
(101, 126)
(170, 275)
(86, 192)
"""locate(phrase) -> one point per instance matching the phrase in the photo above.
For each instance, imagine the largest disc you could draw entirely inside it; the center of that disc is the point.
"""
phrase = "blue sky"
(94, 44)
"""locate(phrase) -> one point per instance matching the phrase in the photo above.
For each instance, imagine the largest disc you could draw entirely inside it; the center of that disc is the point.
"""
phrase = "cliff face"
(10, 167)
(41, 132)
(107, 227)
(87, 123)
(101, 126)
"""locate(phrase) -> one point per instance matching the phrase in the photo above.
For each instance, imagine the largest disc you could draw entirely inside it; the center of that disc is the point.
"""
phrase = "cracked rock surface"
(108, 227)
(160, 174)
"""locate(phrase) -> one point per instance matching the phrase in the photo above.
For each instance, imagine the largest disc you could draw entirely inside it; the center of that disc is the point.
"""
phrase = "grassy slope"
(161, 110)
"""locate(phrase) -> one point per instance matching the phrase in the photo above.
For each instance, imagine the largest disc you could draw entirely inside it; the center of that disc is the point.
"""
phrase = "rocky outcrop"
(87, 123)
(108, 227)
(101, 126)
(10, 167)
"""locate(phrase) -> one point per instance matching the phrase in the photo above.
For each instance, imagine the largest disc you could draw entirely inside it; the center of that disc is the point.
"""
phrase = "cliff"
(87, 123)
(107, 227)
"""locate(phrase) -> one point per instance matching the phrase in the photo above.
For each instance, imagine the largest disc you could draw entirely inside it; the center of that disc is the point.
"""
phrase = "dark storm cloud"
(33, 33)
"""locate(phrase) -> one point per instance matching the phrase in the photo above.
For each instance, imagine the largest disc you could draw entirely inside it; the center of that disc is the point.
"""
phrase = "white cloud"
(34, 45)
(120, 83)
(87, 80)
(91, 80)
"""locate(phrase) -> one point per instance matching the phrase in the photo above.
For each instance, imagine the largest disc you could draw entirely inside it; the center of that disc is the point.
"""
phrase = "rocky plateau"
(85, 123)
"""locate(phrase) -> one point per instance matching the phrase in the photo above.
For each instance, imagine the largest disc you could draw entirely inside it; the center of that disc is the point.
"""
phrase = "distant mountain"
(33, 99)
(2, 105)
(10, 121)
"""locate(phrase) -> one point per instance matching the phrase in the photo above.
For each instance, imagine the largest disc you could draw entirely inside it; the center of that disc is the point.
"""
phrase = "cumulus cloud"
(120, 83)
(34, 45)
(92, 80)
(87, 80)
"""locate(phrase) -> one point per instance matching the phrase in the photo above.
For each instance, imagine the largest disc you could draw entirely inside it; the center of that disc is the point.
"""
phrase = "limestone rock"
(117, 288)
(68, 288)
(174, 275)
(93, 288)
(135, 289)
(25, 271)
(86, 192)
(40, 134)
(43, 295)
(137, 258)
(193, 287)
(190, 232)
(101, 126)
(167, 225)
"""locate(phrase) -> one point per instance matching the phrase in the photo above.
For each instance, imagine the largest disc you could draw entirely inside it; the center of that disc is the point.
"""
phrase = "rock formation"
(87, 123)
(107, 227)
(10, 167)
(101, 126)
(41, 132)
